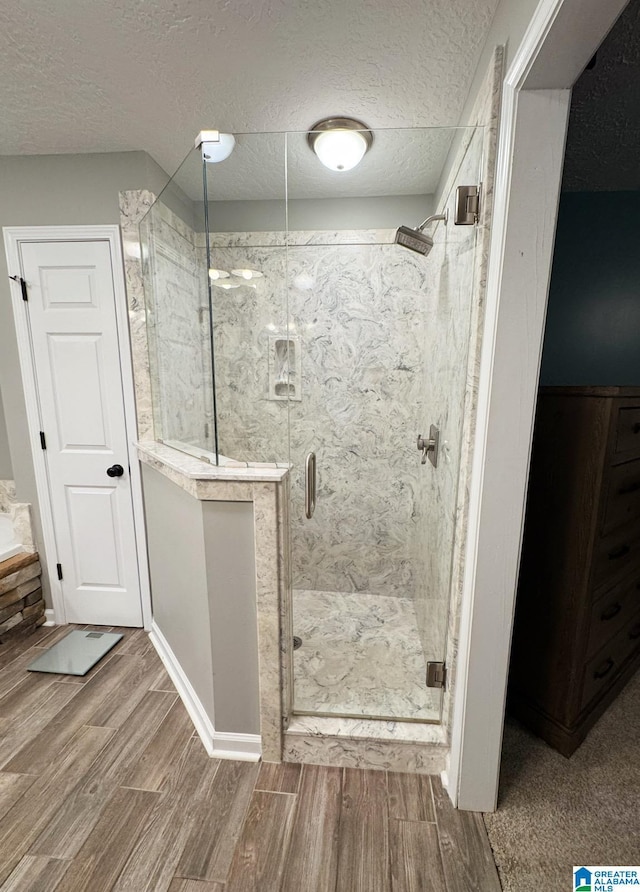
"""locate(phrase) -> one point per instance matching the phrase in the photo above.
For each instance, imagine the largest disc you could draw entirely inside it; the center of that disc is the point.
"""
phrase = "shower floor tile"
(361, 655)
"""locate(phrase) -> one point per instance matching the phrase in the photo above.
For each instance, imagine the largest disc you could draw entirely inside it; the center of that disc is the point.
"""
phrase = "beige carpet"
(555, 812)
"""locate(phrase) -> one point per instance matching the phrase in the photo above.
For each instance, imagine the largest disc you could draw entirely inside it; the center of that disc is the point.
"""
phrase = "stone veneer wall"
(21, 602)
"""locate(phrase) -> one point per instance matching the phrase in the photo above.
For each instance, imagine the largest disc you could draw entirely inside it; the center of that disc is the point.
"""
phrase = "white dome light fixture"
(340, 143)
(215, 146)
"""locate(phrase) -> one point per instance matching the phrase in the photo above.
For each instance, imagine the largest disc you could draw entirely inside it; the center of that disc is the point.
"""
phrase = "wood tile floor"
(104, 786)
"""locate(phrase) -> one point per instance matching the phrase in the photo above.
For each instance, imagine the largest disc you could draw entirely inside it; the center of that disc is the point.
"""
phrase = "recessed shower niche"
(347, 347)
(285, 368)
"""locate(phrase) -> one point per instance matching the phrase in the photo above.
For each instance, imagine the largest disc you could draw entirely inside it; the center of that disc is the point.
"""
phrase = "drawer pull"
(634, 632)
(604, 668)
(632, 487)
(610, 612)
(619, 552)
(636, 427)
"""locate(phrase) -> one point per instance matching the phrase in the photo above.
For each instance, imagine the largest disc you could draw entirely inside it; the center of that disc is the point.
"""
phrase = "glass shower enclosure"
(286, 326)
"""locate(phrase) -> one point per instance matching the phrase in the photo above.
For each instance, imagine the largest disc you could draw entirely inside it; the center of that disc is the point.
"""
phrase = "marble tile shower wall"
(360, 314)
(178, 330)
(251, 427)
(384, 336)
(384, 339)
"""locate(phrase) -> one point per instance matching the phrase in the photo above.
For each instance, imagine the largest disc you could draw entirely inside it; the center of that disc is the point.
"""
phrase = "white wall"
(6, 469)
(177, 561)
(510, 22)
(54, 190)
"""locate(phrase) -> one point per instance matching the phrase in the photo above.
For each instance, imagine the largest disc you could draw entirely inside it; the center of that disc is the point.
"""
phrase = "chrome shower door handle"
(310, 485)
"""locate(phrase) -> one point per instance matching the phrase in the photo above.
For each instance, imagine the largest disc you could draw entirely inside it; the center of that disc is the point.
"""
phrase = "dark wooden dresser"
(577, 629)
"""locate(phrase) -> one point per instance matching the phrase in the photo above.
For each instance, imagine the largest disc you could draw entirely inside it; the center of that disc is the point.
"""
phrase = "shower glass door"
(377, 351)
(328, 339)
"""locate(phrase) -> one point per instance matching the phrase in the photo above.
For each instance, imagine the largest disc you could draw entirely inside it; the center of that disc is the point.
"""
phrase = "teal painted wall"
(593, 321)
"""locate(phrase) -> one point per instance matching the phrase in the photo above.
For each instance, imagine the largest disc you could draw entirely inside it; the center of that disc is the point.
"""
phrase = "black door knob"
(115, 471)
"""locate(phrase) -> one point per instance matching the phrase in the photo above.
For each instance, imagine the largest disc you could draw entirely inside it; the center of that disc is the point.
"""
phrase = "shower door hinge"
(59, 569)
(23, 286)
(436, 675)
(467, 205)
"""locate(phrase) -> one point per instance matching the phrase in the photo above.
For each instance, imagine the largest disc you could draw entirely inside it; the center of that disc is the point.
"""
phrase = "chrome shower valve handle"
(429, 446)
(424, 446)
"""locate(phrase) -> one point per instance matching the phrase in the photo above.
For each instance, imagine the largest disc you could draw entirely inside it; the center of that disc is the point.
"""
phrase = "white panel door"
(72, 317)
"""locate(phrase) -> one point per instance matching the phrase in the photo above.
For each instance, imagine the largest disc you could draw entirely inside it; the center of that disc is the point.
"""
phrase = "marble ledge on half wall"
(202, 479)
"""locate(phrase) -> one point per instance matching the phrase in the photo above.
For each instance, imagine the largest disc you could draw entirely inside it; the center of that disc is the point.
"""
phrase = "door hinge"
(23, 286)
(467, 205)
(59, 569)
(436, 675)
(43, 440)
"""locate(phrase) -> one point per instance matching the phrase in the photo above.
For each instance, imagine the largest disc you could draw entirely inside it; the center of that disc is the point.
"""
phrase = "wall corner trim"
(218, 744)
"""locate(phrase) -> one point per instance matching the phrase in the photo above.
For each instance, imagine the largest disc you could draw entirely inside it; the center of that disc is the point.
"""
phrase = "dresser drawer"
(627, 436)
(616, 555)
(612, 612)
(602, 669)
(623, 496)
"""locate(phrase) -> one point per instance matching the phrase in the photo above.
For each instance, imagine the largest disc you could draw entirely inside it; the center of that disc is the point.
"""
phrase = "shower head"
(416, 239)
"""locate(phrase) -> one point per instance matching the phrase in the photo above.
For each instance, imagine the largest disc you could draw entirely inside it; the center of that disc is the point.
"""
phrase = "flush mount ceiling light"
(216, 274)
(340, 143)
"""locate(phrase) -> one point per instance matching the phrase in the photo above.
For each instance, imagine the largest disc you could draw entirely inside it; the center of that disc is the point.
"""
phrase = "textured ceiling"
(400, 162)
(118, 75)
(603, 143)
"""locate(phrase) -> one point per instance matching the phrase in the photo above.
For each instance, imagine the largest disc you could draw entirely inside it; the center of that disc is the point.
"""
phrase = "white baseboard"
(444, 777)
(50, 618)
(244, 747)
(220, 744)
